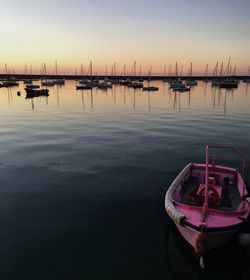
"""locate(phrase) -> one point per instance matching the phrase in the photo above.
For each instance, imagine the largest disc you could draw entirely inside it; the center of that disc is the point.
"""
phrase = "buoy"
(244, 238)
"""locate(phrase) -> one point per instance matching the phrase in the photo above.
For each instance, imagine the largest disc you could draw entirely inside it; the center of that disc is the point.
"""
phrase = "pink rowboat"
(208, 203)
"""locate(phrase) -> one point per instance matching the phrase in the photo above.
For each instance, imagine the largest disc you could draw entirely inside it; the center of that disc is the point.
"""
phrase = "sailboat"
(247, 80)
(87, 84)
(177, 85)
(216, 80)
(150, 88)
(46, 83)
(27, 81)
(190, 81)
(135, 84)
(10, 81)
(208, 202)
(228, 83)
(57, 81)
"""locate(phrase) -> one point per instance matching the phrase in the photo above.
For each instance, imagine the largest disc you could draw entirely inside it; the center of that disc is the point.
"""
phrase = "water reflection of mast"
(189, 98)
(179, 97)
(175, 99)
(134, 99)
(219, 96)
(9, 96)
(149, 102)
(57, 96)
(213, 96)
(83, 103)
(32, 104)
(91, 95)
(114, 93)
(124, 94)
(205, 92)
(225, 103)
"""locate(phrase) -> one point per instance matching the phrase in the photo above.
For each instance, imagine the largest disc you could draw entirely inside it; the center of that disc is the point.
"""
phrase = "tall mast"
(216, 67)
(82, 70)
(176, 71)
(234, 70)
(164, 71)
(228, 65)
(221, 69)
(91, 65)
(115, 69)
(206, 71)
(25, 70)
(56, 67)
(149, 74)
(170, 70)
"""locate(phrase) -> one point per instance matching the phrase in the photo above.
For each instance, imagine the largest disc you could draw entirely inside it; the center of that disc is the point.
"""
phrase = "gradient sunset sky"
(152, 32)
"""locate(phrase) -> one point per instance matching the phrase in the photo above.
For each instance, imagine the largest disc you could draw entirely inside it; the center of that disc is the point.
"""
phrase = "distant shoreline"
(117, 77)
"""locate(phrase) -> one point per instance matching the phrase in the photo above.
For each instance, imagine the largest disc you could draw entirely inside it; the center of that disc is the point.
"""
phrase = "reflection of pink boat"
(208, 203)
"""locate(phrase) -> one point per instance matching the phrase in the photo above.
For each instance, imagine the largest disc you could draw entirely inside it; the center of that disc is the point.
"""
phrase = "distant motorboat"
(150, 88)
(229, 84)
(179, 86)
(9, 83)
(125, 82)
(48, 83)
(59, 82)
(216, 82)
(27, 81)
(135, 85)
(83, 87)
(104, 85)
(191, 83)
(31, 86)
(31, 93)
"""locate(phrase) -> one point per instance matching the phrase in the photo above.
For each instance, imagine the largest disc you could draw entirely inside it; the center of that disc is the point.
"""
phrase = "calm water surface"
(83, 177)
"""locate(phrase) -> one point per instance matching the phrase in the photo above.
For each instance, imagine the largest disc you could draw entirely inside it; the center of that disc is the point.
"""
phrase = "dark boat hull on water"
(150, 88)
(83, 87)
(31, 93)
(228, 84)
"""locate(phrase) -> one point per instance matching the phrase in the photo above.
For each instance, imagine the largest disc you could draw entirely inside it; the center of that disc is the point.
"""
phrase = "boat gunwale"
(212, 229)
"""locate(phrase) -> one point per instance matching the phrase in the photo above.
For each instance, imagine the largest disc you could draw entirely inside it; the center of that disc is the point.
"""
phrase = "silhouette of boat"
(31, 93)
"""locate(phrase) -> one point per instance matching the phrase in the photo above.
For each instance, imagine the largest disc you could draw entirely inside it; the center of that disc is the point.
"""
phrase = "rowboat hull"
(210, 240)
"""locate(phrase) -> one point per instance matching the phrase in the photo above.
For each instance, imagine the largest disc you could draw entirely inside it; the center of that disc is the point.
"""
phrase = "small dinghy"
(208, 203)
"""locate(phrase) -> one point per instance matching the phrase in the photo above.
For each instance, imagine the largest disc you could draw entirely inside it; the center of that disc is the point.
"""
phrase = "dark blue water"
(83, 177)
